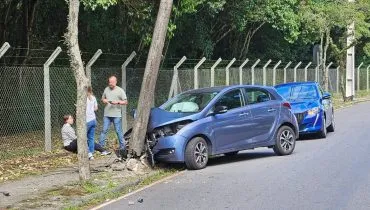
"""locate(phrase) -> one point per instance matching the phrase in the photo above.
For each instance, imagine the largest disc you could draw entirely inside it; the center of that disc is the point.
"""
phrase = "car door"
(265, 112)
(229, 128)
(327, 106)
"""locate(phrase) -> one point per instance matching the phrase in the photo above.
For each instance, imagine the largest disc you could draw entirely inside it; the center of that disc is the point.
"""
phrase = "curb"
(84, 199)
(138, 190)
(354, 103)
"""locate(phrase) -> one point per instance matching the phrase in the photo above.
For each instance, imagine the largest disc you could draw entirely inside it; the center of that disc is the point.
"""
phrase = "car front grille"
(300, 117)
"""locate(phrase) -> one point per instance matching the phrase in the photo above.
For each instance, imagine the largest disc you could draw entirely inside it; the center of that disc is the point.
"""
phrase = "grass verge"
(101, 188)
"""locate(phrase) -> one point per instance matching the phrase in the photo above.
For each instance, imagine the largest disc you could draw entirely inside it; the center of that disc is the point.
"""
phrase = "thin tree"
(150, 78)
(71, 39)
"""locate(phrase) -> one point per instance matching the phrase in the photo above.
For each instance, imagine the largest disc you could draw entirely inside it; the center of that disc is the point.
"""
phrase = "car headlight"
(169, 130)
(313, 111)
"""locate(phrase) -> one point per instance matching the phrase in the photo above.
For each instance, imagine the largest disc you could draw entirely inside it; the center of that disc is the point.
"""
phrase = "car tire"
(323, 131)
(284, 141)
(196, 154)
(230, 154)
(331, 128)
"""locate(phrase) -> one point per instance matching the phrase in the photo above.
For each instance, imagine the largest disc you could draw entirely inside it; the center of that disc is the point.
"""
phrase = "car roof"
(225, 88)
(297, 83)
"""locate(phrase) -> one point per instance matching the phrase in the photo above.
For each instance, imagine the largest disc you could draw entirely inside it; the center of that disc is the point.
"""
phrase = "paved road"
(321, 174)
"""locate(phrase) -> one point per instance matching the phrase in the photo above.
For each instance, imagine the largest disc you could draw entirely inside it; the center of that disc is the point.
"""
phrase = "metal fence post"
(295, 71)
(241, 71)
(196, 80)
(358, 76)
(4, 48)
(305, 71)
(274, 73)
(174, 83)
(290, 62)
(47, 109)
(338, 79)
(228, 71)
(252, 70)
(124, 87)
(264, 72)
(90, 63)
(213, 72)
(327, 76)
(367, 78)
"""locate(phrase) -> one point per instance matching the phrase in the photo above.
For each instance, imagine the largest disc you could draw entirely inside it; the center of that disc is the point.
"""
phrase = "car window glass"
(304, 92)
(231, 100)
(255, 96)
(190, 102)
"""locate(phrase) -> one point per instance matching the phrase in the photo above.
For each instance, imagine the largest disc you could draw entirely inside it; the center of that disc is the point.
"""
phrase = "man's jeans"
(117, 126)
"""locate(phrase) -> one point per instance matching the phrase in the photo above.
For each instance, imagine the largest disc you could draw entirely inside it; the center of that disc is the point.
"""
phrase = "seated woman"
(70, 139)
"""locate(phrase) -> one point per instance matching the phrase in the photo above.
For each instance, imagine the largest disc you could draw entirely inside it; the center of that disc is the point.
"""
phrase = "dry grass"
(15, 168)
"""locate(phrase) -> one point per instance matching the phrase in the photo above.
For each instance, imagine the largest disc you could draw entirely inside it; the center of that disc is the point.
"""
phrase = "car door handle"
(243, 114)
(271, 110)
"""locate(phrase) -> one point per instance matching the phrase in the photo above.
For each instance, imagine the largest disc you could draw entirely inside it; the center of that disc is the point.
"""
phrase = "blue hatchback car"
(220, 120)
(311, 105)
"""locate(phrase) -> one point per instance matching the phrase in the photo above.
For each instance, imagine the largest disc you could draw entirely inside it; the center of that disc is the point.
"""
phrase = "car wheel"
(229, 154)
(331, 128)
(196, 154)
(284, 141)
(323, 131)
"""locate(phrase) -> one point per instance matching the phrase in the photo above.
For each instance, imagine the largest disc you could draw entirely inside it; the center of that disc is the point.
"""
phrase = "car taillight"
(287, 105)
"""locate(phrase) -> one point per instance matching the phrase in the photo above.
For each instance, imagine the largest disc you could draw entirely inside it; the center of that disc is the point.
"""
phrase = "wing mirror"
(326, 96)
(220, 110)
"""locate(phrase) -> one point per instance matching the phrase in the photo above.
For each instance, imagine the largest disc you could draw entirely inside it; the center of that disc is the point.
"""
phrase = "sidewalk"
(29, 187)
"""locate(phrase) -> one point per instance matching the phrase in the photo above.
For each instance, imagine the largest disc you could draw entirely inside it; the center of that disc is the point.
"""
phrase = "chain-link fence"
(22, 95)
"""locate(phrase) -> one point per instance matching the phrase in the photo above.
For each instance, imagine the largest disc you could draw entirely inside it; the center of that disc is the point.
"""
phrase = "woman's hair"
(66, 117)
(89, 89)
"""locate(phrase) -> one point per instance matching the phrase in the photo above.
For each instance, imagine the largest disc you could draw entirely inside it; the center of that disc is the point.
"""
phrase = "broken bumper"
(170, 149)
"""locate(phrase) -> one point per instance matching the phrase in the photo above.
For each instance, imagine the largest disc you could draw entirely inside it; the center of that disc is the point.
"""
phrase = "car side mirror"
(220, 110)
(326, 96)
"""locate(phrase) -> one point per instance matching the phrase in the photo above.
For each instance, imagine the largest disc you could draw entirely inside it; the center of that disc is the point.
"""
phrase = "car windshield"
(297, 92)
(189, 102)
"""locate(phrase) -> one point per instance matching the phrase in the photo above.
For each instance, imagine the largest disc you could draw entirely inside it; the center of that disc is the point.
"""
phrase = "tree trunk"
(326, 71)
(150, 77)
(342, 78)
(81, 81)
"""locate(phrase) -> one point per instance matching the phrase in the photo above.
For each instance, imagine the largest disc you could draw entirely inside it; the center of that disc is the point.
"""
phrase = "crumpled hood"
(159, 117)
(299, 106)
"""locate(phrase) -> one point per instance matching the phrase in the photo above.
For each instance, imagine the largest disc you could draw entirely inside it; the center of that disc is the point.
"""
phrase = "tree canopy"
(266, 29)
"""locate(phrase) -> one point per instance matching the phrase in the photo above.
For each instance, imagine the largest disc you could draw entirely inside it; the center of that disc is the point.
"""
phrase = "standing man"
(113, 98)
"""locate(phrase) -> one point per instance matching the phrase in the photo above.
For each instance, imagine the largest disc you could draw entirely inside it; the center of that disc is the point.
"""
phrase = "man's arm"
(104, 97)
(123, 100)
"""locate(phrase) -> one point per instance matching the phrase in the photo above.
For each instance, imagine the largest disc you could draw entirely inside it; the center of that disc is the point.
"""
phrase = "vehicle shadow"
(309, 137)
(243, 156)
(222, 159)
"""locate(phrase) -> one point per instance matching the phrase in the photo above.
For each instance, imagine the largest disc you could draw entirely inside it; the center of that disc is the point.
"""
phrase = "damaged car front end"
(165, 139)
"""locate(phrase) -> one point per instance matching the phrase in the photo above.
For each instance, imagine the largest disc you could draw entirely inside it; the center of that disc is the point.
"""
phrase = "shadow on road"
(219, 160)
(309, 137)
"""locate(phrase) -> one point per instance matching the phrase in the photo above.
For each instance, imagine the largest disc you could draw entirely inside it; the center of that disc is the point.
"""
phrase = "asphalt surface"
(331, 173)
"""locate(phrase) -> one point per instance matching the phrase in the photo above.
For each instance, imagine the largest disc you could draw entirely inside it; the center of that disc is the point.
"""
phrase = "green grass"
(90, 187)
(359, 96)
